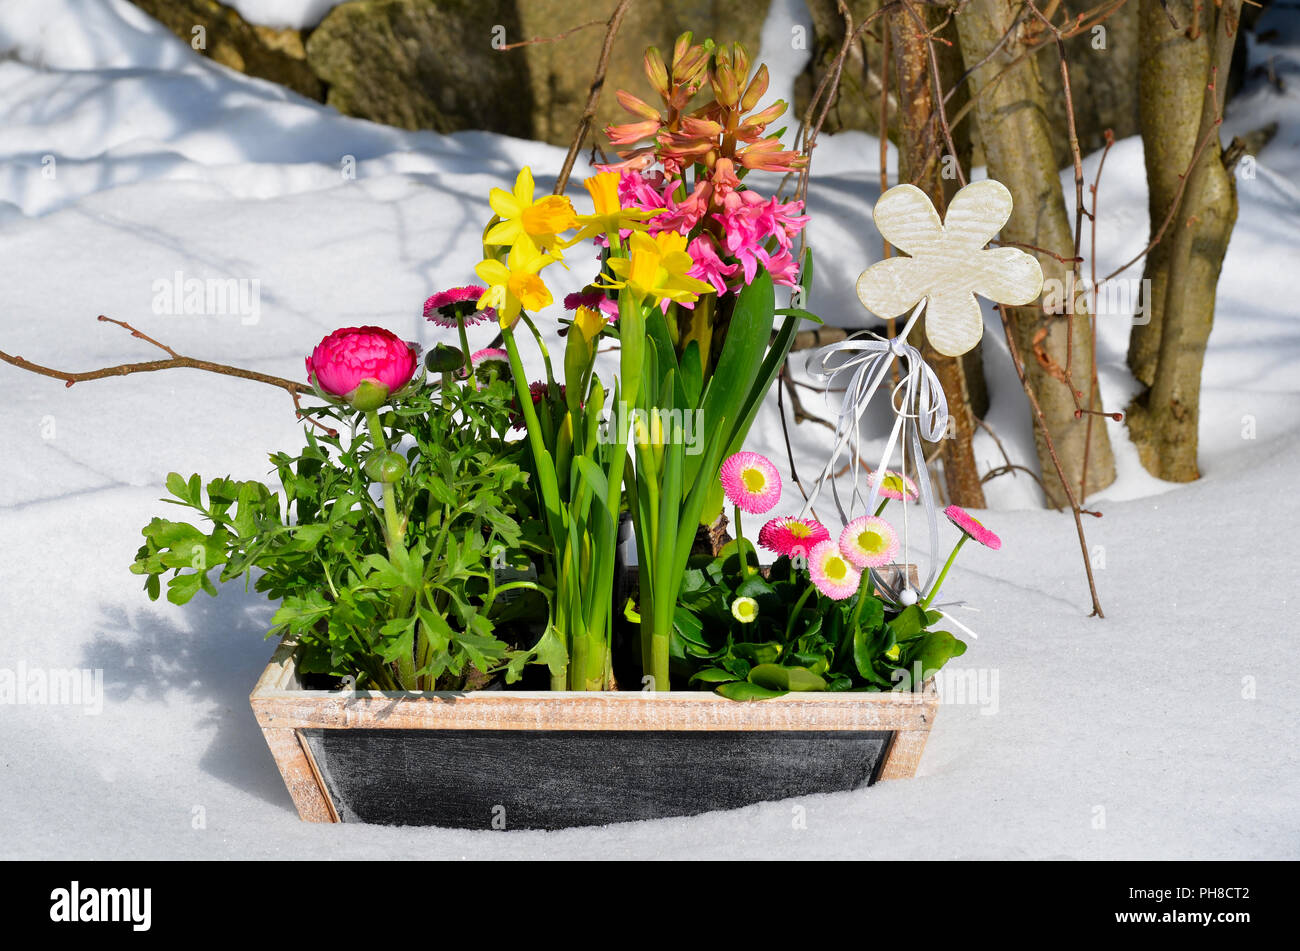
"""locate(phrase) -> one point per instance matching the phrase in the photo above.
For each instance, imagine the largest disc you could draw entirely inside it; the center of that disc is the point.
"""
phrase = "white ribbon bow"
(922, 413)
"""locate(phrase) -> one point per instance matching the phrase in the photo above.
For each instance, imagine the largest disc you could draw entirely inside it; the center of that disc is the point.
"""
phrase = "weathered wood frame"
(283, 709)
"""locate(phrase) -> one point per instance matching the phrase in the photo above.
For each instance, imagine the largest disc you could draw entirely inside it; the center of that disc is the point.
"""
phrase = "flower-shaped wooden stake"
(948, 263)
(947, 267)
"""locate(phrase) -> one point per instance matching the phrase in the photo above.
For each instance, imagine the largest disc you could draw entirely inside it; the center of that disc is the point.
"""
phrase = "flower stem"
(393, 531)
(864, 591)
(464, 348)
(943, 574)
(394, 541)
(741, 551)
(794, 612)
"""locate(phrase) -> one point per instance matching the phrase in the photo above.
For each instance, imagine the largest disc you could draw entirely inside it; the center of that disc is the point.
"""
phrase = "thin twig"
(1041, 420)
(937, 92)
(1211, 134)
(593, 96)
(292, 387)
(1092, 276)
(551, 39)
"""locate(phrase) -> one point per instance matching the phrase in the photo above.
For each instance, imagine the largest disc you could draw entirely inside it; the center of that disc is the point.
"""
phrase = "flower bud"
(385, 466)
(656, 72)
(444, 359)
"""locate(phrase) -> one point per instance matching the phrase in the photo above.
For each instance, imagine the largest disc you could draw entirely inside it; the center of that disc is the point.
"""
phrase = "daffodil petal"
(504, 203)
(503, 232)
(524, 186)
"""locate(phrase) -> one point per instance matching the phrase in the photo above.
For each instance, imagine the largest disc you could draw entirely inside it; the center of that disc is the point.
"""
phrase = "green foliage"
(856, 644)
(457, 602)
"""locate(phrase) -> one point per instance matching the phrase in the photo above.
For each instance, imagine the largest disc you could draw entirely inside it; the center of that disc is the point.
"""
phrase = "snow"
(1160, 732)
(291, 14)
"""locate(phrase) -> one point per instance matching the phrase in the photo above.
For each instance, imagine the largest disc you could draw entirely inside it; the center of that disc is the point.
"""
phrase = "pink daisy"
(831, 572)
(972, 526)
(443, 307)
(751, 482)
(487, 355)
(896, 486)
(869, 542)
(792, 537)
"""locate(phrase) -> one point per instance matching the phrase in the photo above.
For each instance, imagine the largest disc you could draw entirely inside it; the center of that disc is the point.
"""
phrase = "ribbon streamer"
(922, 413)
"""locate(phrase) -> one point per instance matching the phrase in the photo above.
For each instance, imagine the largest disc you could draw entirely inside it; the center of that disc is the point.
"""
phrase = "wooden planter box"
(497, 759)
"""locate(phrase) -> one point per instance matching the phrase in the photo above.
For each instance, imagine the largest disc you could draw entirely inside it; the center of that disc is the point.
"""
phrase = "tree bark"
(924, 163)
(1016, 136)
(1184, 76)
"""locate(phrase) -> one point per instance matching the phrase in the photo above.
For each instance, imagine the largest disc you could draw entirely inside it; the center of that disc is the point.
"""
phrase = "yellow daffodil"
(610, 216)
(524, 220)
(589, 322)
(514, 285)
(656, 267)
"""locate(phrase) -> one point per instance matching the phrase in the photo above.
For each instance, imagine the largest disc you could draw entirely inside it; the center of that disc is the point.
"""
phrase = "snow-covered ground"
(1163, 731)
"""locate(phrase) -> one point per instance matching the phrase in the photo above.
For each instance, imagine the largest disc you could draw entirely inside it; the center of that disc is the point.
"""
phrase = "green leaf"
(183, 587)
(398, 639)
(738, 365)
(800, 313)
(713, 675)
(933, 651)
(550, 650)
(777, 677)
(758, 654)
(862, 653)
(744, 690)
(692, 374)
(177, 486)
(593, 476)
(908, 623)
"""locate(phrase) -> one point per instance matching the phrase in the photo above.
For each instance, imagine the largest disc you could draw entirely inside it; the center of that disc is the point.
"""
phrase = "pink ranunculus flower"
(362, 366)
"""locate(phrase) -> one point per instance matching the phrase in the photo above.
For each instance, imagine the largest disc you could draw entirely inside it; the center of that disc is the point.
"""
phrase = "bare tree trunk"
(1015, 133)
(1171, 90)
(1184, 76)
(925, 164)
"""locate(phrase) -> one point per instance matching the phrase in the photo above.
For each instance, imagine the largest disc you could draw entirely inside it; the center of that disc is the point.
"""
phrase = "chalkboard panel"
(556, 779)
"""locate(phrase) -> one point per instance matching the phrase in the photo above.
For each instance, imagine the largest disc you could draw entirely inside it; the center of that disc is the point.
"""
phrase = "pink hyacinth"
(708, 266)
(749, 222)
(831, 572)
(443, 307)
(972, 527)
(751, 482)
(351, 356)
(792, 537)
(869, 542)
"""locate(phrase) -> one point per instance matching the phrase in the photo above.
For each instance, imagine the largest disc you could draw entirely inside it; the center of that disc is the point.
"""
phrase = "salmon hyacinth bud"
(362, 366)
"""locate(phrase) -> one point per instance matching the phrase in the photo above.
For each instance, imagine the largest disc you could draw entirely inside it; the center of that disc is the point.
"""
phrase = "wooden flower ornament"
(948, 263)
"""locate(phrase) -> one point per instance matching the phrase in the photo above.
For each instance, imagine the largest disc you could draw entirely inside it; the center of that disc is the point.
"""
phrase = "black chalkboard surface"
(556, 779)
